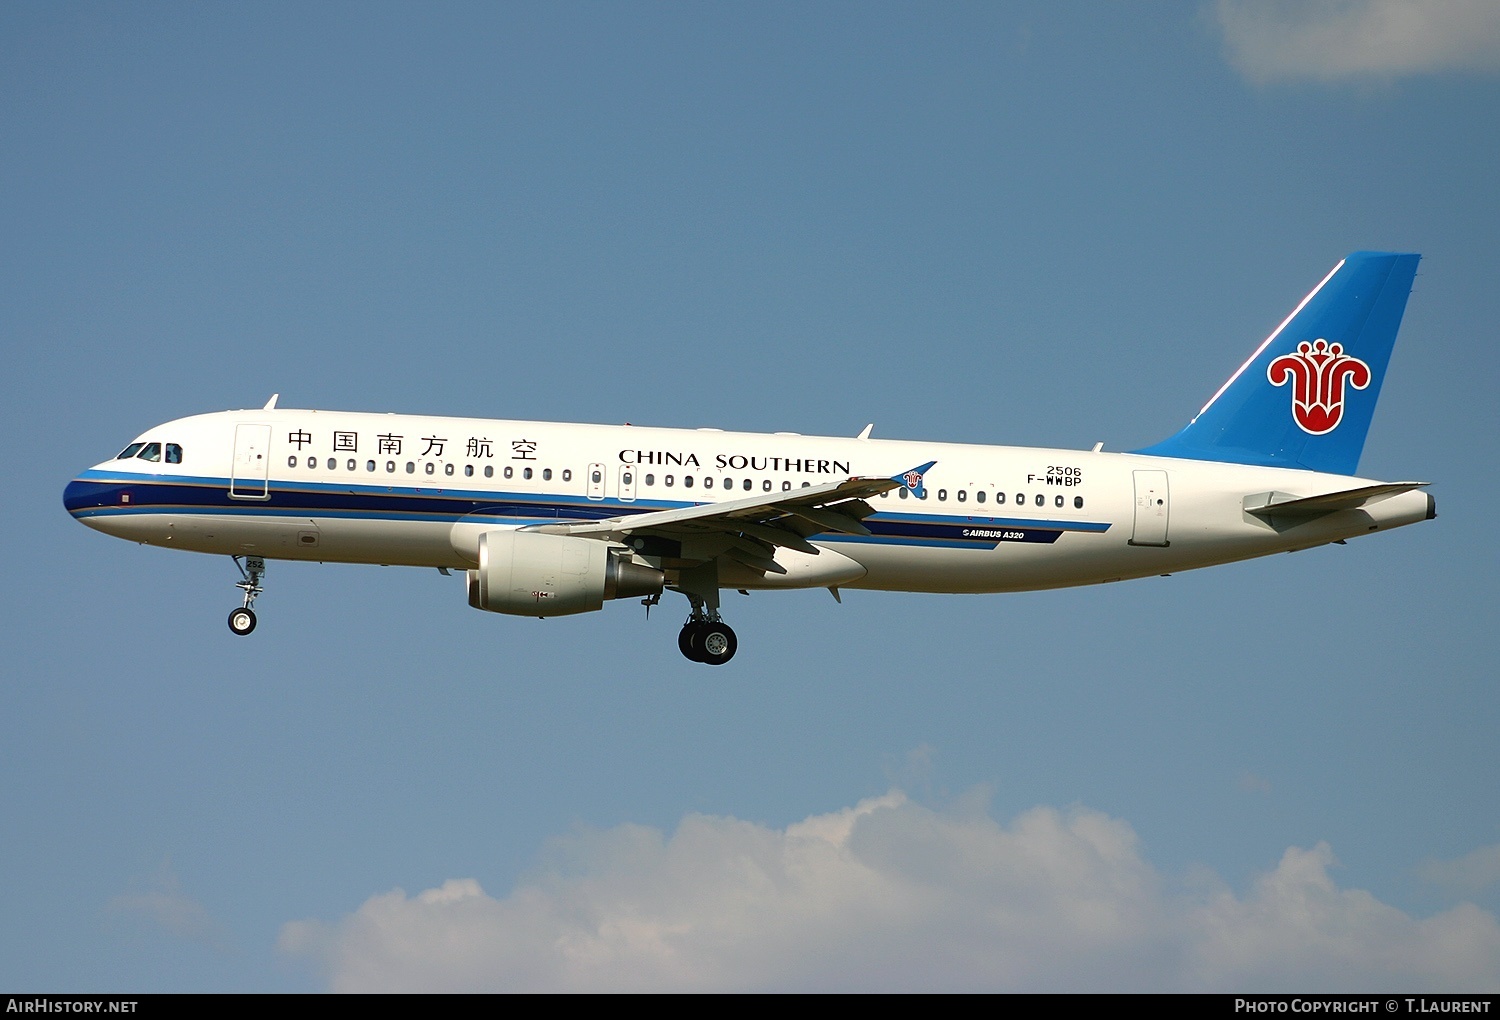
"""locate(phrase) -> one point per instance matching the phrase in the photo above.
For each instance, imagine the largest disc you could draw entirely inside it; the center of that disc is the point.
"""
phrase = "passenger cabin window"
(568, 475)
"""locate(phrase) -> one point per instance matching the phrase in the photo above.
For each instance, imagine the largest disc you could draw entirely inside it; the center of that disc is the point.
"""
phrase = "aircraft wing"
(755, 525)
(832, 506)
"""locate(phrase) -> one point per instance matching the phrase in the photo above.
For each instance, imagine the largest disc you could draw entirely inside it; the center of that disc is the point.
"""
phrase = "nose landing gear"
(253, 570)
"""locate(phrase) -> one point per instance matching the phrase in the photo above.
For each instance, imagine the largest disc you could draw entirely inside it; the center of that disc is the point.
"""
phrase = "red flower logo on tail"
(1318, 372)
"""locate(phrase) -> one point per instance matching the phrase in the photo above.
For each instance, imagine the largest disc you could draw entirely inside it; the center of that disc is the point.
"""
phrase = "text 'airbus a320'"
(552, 519)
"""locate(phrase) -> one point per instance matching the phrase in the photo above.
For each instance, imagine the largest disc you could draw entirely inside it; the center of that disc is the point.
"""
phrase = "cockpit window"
(131, 451)
(174, 453)
(152, 452)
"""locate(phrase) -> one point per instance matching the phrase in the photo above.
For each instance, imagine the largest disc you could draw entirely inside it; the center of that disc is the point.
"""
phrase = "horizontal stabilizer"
(1279, 504)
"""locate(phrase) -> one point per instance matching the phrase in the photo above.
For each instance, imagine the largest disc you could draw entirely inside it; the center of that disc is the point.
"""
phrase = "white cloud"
(1330, 39)
(159, 899)
(889, 894)
(1471, 874)
(1249, 782)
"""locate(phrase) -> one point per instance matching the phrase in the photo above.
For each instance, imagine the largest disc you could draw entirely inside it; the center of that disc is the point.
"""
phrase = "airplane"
(552, 519)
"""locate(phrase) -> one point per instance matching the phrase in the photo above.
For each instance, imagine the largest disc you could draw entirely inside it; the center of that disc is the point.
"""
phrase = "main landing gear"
(705, 639)
(253, 570)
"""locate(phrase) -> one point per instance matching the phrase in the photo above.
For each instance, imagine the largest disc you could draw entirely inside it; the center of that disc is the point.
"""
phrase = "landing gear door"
(1152, 506)
(251, 468)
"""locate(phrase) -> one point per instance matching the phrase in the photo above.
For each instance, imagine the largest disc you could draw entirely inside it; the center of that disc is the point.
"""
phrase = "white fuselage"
(402, 489)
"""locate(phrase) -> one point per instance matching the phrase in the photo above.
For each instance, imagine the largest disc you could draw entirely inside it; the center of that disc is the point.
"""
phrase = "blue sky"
(1032, 224)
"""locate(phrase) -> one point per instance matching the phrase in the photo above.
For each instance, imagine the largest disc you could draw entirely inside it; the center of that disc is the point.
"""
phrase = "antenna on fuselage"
(866, 433)
(271, 404)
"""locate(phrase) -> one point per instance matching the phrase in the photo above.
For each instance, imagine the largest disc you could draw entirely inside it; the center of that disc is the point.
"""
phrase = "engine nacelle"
(527, 573)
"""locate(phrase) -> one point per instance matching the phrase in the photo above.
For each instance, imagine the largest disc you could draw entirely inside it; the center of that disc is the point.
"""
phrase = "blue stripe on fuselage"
(100, 494)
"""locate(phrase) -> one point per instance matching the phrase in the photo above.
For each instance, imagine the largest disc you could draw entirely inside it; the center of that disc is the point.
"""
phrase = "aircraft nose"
(73, 497)
(79, 497)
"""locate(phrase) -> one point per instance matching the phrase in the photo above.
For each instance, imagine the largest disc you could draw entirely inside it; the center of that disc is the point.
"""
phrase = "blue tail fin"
(1306, 396)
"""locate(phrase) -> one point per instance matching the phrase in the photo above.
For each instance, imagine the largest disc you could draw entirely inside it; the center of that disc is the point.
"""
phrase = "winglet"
(913, 479)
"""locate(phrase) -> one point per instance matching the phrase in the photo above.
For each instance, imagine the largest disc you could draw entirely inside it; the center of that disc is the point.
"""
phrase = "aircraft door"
(251, 468)
(627, 482)
(596, 481)
(1152, 506)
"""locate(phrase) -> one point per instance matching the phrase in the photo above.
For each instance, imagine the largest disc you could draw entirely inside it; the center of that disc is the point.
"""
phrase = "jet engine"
(528, 573)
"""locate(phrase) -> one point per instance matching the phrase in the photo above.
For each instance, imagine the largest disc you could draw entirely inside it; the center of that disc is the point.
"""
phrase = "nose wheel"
(253, 571)
(708, 641)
